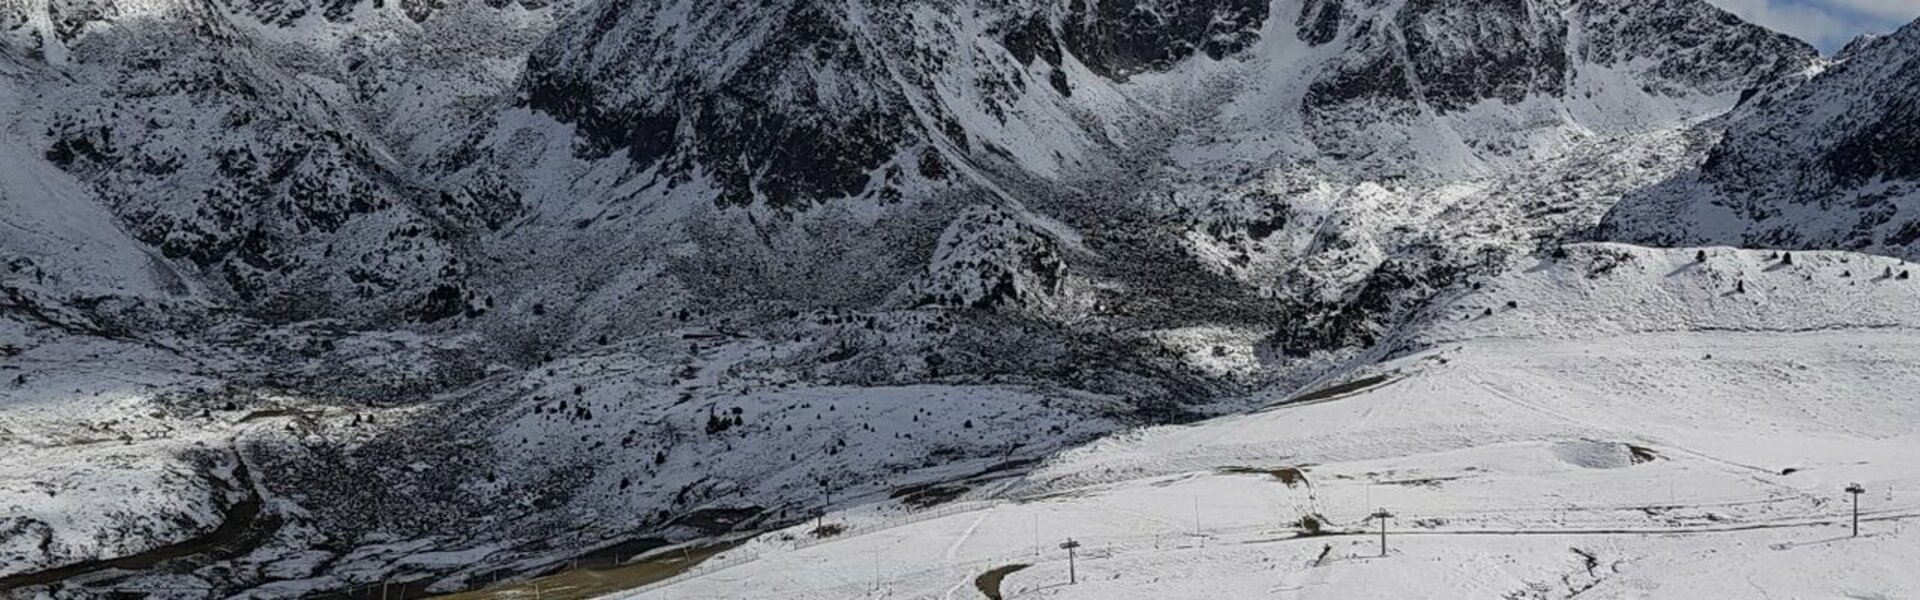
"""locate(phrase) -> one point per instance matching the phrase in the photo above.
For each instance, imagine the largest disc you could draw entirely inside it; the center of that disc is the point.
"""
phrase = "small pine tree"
(1740, 287)
(1903, 275)
(968, 424)
(1786, 259)
(660, 458)
(1700, 256)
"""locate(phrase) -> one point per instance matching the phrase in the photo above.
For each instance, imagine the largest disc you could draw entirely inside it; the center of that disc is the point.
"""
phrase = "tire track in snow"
(953, 550)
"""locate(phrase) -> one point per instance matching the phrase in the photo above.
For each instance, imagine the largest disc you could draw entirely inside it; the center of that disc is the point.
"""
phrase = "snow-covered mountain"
(1831, 163)
(1281, 157)
(598, 272)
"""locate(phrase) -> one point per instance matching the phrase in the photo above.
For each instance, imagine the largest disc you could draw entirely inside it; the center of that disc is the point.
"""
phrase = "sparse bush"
(1310, 525)
(828, 530)
(717, 424)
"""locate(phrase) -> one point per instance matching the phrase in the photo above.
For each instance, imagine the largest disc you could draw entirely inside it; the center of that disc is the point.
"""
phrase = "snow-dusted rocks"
(989, 258)
(1829, 164)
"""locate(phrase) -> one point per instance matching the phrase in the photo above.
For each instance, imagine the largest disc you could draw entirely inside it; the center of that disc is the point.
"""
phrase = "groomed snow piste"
(1613, 422)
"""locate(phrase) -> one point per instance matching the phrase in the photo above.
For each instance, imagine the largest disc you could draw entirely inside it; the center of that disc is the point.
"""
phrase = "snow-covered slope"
(1524, 454)
(1827, 164)
(549, 277)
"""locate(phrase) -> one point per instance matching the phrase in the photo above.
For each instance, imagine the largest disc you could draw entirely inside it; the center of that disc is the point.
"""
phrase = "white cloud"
(1898, 11)
(1825, 23)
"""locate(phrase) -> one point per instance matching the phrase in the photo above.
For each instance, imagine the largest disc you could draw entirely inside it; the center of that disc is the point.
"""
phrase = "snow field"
(1666, 440)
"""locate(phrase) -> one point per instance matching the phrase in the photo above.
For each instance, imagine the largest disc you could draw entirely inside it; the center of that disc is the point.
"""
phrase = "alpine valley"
(358, 298)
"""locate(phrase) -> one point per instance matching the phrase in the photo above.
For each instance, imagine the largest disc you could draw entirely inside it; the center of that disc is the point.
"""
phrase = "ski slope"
(1633, 425)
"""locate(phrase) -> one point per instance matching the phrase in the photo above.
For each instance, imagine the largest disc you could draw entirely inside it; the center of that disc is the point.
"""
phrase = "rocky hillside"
(1832, 163)
(1172, 164)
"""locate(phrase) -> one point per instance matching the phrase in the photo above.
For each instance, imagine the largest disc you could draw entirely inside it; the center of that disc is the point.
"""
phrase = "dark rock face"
(757, 121)
(221, 162)
(286, 12)
(1465, 51)
(1692, 45)
(1452, 54)
(1117, 38)
(1319, 21)
(1886, 147)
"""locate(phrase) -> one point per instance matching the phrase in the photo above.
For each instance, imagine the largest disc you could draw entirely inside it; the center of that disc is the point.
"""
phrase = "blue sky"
(1828, 24)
